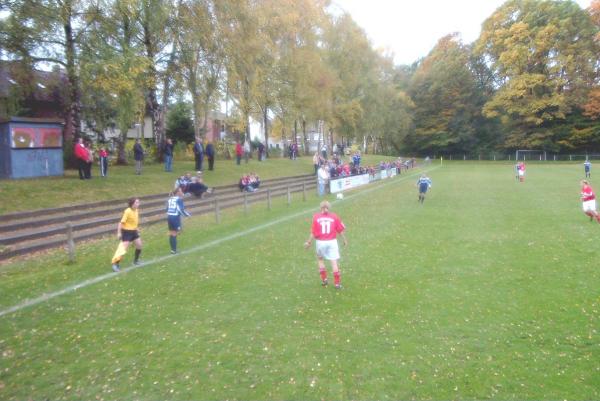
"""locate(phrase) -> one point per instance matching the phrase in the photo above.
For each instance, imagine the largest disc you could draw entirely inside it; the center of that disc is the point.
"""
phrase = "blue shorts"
(423, 188)
(174, 223)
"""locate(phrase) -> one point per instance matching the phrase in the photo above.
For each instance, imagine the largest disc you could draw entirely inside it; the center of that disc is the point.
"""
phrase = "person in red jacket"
(239, 151)
(82, 156)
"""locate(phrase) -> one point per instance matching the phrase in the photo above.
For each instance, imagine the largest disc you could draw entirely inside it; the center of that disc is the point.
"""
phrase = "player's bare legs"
(322, 270)
(336, 274)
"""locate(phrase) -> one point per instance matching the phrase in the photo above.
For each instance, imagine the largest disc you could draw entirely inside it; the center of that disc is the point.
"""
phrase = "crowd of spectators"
(249, 182)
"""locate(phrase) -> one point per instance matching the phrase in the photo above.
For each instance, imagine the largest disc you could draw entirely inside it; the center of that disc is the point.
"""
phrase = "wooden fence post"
(245, 202)
(269, 198)
(289, 196)
(70, 243)
(217, 211)
(304, 191)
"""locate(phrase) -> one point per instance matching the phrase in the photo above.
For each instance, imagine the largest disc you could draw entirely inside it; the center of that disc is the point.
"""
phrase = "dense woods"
(530, 81)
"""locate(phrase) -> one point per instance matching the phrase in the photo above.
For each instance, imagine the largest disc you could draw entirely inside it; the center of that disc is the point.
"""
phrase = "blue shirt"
(424, 183)
(175, 207)
(587, 165)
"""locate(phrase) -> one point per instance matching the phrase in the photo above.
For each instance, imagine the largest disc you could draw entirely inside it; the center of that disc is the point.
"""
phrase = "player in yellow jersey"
(127, 232)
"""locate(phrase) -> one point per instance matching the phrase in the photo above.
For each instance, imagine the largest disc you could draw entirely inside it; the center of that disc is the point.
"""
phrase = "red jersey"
(587, 193)
(326, 226)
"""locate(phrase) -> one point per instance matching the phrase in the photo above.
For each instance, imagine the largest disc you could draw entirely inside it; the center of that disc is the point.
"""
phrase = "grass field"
(490, 290)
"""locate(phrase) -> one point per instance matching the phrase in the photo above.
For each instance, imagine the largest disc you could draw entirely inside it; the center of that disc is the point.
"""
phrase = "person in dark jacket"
(168, 154)
(199, 154)
(138, 155)
(210, 154)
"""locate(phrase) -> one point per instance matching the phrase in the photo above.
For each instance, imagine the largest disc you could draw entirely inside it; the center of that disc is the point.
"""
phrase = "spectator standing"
(324, 151)
(199, 154)
(322, 179)
(238, 153)
(103, 155)
(210, 155)
(138, 155)
(325, 228)
(128, 232)
(261, 151)
(587, 167)
(316, 162)
(356, 159)
(175, 209)
(168, 154)
(81, 155)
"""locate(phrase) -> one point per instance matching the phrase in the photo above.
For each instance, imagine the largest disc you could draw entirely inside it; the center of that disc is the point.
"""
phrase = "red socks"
(336, 278)
(323, 273)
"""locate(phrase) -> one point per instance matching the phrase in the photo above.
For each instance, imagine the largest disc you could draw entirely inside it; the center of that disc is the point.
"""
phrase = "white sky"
(410, 28)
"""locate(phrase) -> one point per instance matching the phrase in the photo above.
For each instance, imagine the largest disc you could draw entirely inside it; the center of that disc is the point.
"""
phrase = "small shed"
(31, 147)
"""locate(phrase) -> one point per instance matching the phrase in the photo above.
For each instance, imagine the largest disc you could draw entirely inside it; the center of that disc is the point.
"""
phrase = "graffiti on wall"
(30, 137)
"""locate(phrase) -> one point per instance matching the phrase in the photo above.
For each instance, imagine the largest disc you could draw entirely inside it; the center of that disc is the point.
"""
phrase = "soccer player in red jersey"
(325, 228)
(589, 201)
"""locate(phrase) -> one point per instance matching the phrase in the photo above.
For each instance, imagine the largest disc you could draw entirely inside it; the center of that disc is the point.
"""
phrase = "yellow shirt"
(129, 221)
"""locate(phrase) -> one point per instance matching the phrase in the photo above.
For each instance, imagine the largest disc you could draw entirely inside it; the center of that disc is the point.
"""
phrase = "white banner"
(344, 183)
(383, 174)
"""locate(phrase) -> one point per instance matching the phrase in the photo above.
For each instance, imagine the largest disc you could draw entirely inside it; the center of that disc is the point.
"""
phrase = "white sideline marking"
(86, 283)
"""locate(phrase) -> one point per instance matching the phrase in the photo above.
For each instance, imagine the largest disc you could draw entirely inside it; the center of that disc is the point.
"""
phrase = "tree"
(201, 56)
(116, 66)
(444, 90)
(180, 126)
(545, 58)
(52, 34)
(156, 37)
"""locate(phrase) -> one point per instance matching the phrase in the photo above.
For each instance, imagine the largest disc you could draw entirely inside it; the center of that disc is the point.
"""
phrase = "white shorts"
(521, 173)
(589, 206)
(328, 249)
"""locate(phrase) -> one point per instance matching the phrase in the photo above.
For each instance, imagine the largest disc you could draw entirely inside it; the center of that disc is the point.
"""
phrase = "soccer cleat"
(173, 252)
(137, 262)
(338, 286)
(116, 268)
(324, 283)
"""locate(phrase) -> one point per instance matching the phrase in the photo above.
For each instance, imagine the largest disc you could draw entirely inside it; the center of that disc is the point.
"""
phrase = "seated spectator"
(183, 182)
(254, 181)
(245, 184)
(197, 187)
(345, 170)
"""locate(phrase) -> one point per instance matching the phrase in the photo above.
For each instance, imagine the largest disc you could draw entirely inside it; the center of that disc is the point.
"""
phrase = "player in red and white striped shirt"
(589, 201)
(325, 228)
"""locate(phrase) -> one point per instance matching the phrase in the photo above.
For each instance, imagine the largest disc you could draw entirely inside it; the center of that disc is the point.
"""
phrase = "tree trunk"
(330, 141)
(295, 132)
(121, 155)
(74, 107)
(152, 101)
(266, 122)
(306, 150)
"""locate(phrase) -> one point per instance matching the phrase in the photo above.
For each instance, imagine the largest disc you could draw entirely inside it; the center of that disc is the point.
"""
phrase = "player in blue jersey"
(424, 183)
(175, 209)
(587, 167)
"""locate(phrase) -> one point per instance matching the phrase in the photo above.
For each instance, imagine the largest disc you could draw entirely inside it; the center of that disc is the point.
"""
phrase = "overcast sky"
(411, 28)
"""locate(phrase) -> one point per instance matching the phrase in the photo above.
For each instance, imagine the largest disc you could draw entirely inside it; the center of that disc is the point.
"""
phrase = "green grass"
(487, 291)
(40, 193)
